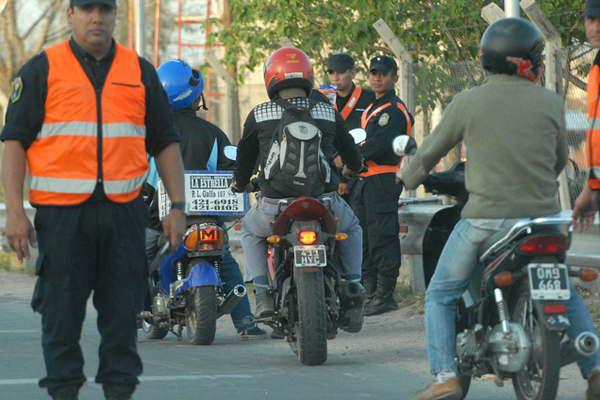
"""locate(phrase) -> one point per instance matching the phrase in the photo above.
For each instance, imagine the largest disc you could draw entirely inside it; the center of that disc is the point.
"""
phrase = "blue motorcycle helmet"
(182, 83)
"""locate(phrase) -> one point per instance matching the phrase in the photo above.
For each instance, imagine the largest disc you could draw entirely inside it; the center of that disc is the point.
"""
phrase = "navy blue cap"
(383, 64)
(81, 3)
(340, 62)
(592, 9)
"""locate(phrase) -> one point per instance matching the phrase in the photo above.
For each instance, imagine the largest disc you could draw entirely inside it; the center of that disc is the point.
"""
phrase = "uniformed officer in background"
(349, 99)
(374, 197)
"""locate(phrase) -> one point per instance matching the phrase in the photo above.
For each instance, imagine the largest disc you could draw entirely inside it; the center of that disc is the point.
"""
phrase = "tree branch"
(53, 12)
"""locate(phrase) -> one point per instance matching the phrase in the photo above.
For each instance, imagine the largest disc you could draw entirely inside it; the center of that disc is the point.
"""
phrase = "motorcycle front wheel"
(201, 315)
(539, 379)
(311, 330)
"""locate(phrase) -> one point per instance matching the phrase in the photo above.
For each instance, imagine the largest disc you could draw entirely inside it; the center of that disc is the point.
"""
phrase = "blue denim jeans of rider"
(451, 279)
(241, 315)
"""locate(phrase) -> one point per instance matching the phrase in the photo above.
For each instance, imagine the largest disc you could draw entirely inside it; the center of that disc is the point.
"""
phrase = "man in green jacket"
(515, 135)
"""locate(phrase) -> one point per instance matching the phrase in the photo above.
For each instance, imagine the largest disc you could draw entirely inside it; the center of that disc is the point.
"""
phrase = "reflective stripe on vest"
(351, 103)
(90, 129)
(593, 134)
(63, 160)
(373, 167)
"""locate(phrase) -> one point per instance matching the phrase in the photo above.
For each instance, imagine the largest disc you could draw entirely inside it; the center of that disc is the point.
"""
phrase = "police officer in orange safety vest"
(83, 116)
(588, 203)
(374, 197)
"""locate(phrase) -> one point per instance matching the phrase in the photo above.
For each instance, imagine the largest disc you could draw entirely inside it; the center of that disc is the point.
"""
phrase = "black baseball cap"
(81, 3)
(592, 9)
(340, 62)
(383, 64)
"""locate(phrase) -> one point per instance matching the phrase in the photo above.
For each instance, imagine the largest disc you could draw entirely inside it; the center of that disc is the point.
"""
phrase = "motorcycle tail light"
(555, 309)
(544, 245)
(588, 275)
(307, 237)
(504, 279)
(204, 238)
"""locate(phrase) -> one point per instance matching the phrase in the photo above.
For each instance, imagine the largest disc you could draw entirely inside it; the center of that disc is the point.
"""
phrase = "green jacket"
(515, 137)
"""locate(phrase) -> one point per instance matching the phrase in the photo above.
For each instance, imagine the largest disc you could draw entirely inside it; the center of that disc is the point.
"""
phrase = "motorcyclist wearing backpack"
(202, 146)
(289, 79)
(374, 197)
(515, 134)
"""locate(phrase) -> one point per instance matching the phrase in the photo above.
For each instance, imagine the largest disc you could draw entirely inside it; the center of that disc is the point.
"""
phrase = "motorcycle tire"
(545, 343)
(311, 330)
(201, 315)
(461, 324)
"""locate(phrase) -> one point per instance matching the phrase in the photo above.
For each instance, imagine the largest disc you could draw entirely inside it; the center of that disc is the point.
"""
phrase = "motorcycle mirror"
(230, 152)
(358, 134)
(404, 145)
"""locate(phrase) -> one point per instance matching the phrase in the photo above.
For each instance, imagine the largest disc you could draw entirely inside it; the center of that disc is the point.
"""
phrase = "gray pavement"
(385, 361)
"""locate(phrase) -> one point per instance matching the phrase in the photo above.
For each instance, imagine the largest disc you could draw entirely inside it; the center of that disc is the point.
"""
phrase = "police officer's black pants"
(375, 202)
(99, 247)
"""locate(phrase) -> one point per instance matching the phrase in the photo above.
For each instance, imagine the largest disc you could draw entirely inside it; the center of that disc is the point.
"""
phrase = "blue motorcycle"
(185, 288)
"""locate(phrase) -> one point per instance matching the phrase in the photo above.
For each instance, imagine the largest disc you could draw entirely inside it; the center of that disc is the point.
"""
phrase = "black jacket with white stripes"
(257, 138)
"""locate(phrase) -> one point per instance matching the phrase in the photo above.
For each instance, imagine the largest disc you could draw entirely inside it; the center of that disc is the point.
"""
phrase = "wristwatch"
(178, 205)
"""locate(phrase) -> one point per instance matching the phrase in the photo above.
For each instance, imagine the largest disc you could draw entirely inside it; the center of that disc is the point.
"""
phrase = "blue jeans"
(230, 276)
(451, 279)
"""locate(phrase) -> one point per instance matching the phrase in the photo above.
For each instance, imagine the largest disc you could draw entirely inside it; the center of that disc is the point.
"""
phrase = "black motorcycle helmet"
(512, 46)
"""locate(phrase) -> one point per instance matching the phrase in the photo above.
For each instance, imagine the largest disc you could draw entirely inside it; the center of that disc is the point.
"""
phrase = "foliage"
(436, 33)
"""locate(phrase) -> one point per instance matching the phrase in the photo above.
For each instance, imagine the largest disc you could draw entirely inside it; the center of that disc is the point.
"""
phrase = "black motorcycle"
(310, 295)
(511, 321)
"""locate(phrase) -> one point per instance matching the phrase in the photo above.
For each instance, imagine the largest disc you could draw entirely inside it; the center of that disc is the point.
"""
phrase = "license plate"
(310, 256)
(549, 281)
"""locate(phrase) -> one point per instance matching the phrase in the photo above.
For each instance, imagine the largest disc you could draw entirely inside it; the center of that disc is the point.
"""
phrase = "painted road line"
(14, 382)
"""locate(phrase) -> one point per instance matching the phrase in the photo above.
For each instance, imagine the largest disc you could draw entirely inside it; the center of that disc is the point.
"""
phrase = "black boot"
(370, 285)
(352, 301)
(384, 297)
(113, 391)
(65, 393)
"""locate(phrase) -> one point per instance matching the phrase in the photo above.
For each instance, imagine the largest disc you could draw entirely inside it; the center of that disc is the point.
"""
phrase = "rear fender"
(201, 274)
(553, 321)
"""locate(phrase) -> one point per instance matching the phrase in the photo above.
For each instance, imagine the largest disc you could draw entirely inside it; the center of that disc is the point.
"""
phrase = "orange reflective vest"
(90, 137)
(373, 167)
(593, 135)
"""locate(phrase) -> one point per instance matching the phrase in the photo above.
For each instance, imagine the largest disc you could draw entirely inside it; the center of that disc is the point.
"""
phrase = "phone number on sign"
(215, 205)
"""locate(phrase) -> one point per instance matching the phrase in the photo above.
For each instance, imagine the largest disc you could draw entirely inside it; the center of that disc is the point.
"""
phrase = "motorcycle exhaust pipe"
(585, 344)
(231, 299)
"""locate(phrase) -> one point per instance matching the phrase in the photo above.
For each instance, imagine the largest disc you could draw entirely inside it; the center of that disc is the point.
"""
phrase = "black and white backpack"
(295, 165)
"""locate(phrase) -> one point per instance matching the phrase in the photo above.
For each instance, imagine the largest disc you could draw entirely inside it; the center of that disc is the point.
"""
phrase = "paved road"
(385, 361)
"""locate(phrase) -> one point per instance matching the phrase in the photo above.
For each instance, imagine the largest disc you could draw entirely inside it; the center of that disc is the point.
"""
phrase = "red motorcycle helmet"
(286, 68)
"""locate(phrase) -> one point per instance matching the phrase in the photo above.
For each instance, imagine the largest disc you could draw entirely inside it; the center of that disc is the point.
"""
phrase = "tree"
(438, 33)
(21, 38)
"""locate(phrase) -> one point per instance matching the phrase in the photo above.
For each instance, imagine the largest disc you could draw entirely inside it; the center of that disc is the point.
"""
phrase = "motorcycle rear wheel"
(540, 379)
(201, 315)
(311, 330)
